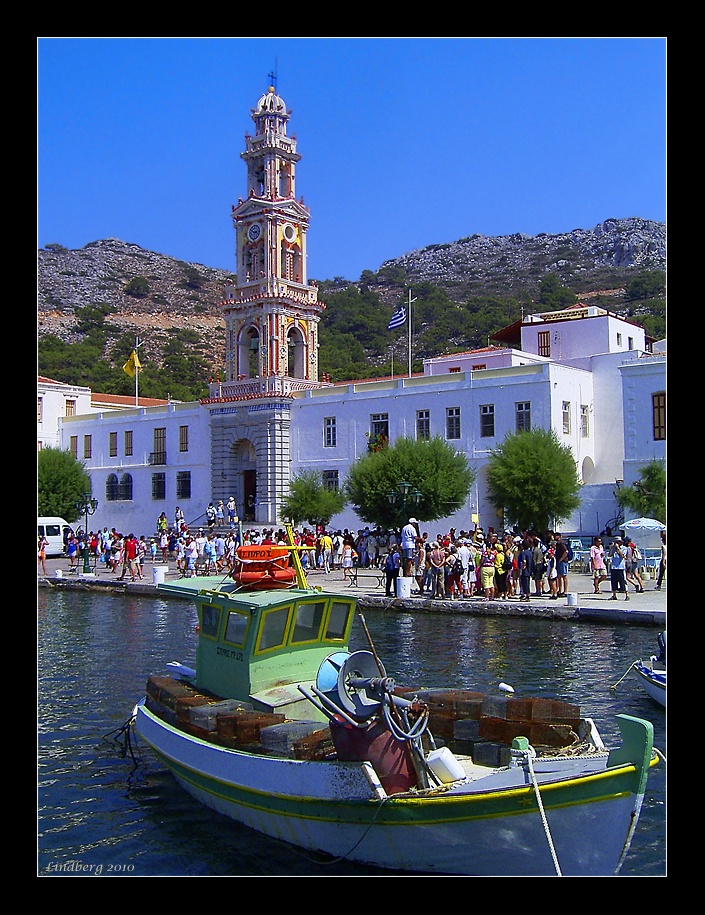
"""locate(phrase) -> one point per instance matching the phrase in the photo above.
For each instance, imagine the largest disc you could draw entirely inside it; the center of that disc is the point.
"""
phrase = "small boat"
(283, 729)
(653, 678)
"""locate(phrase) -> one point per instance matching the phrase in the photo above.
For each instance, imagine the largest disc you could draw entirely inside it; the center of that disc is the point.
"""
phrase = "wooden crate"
(316, 746)
(245, 727)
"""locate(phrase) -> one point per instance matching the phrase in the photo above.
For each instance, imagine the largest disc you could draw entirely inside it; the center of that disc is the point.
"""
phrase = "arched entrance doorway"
(245, 476)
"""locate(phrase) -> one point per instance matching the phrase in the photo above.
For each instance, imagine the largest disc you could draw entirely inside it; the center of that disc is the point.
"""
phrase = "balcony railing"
(156, 457)
(262, 386)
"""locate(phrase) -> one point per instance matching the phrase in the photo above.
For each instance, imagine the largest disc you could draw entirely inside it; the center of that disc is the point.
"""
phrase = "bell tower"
(271, 318)
(271, 312)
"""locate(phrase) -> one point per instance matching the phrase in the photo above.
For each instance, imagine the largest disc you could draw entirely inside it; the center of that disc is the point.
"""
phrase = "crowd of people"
(475, 564)
(455, 565)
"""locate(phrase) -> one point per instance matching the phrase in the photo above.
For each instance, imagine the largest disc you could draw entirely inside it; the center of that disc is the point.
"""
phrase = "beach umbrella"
(645, 533)
(642, 524)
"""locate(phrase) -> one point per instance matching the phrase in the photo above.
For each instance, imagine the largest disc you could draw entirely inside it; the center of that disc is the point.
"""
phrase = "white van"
(53, 529)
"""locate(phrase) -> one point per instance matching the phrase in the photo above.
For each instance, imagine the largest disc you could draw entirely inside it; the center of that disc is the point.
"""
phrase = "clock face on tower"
(254, 231)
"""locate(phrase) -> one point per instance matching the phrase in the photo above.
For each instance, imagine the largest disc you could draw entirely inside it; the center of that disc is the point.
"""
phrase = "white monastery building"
(586, 373)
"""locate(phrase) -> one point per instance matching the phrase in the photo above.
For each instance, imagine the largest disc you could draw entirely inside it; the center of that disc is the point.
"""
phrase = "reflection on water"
(95, 652)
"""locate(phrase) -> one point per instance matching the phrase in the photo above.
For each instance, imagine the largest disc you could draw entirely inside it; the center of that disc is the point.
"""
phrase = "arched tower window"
(296, 353)
(248, 353)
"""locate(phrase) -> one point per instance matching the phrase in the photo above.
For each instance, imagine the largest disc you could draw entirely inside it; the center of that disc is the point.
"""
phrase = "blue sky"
(404, 142)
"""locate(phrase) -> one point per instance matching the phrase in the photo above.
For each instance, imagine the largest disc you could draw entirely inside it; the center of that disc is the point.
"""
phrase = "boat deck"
(478, 728)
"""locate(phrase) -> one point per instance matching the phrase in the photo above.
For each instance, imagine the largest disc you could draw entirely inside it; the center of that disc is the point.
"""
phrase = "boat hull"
(486, 827)
(653, 681)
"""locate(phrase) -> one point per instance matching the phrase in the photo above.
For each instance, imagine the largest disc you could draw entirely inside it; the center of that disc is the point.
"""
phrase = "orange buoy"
(264, 567)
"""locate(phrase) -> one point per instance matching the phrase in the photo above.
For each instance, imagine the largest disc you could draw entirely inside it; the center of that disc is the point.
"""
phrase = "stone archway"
(244, 473)
(250, 455)
(296, 353)
(248, 353)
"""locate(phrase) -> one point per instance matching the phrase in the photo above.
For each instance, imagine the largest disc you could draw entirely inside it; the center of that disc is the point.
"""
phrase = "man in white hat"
(409, 533)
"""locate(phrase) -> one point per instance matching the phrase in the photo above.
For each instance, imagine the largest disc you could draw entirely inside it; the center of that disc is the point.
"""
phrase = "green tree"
(649, 284)
(61, 480)
(533, 478)
(138, 287)
(310, 500)
(647, 497)
(193, 279)
(553, 295)
(434, 468)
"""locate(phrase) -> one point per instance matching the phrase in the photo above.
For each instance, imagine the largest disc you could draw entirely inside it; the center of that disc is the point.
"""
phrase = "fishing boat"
(653, 677)
(284, 729)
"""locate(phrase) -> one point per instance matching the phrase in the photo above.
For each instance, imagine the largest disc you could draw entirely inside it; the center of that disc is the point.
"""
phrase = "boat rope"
(659, 754)
(630, 668)
(343, 857)
(123, 736)
(528, 756)
(380, 805)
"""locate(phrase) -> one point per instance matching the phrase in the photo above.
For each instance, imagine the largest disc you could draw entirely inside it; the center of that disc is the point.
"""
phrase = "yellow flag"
(132, 365)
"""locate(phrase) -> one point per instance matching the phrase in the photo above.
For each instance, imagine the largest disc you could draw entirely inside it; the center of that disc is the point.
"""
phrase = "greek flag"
(398, 319)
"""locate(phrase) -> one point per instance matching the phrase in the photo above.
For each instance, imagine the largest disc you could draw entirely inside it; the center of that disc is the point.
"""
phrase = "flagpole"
(137, 374)
(410, 333)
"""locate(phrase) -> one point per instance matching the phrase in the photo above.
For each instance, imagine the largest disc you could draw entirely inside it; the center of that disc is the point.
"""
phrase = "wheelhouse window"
(307, 622)
(236, 628)
(210, 621)
(273, 628)
(338, 620)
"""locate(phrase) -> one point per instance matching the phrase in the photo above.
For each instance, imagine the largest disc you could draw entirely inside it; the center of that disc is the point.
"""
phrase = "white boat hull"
(489, 826)
(653, 681)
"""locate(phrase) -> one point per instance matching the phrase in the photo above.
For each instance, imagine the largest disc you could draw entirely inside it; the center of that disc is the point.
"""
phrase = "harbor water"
(106, 808)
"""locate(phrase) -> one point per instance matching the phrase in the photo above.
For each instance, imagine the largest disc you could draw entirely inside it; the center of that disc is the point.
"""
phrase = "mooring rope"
(534, 782)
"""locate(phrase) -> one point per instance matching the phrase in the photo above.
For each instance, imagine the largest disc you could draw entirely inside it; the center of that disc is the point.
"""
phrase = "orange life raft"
(262, 568)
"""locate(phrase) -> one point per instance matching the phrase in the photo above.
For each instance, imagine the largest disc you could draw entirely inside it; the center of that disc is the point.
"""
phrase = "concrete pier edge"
(647, 608)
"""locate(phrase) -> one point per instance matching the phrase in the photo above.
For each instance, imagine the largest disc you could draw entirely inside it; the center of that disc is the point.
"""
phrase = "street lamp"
(403, 495)
(86, 505)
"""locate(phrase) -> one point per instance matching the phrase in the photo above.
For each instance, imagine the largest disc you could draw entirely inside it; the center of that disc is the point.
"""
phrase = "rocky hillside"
(586, 260)
(152, 293)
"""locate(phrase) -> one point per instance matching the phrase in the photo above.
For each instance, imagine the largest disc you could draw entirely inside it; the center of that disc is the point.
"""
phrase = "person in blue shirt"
(618, 568)
(525, 561)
